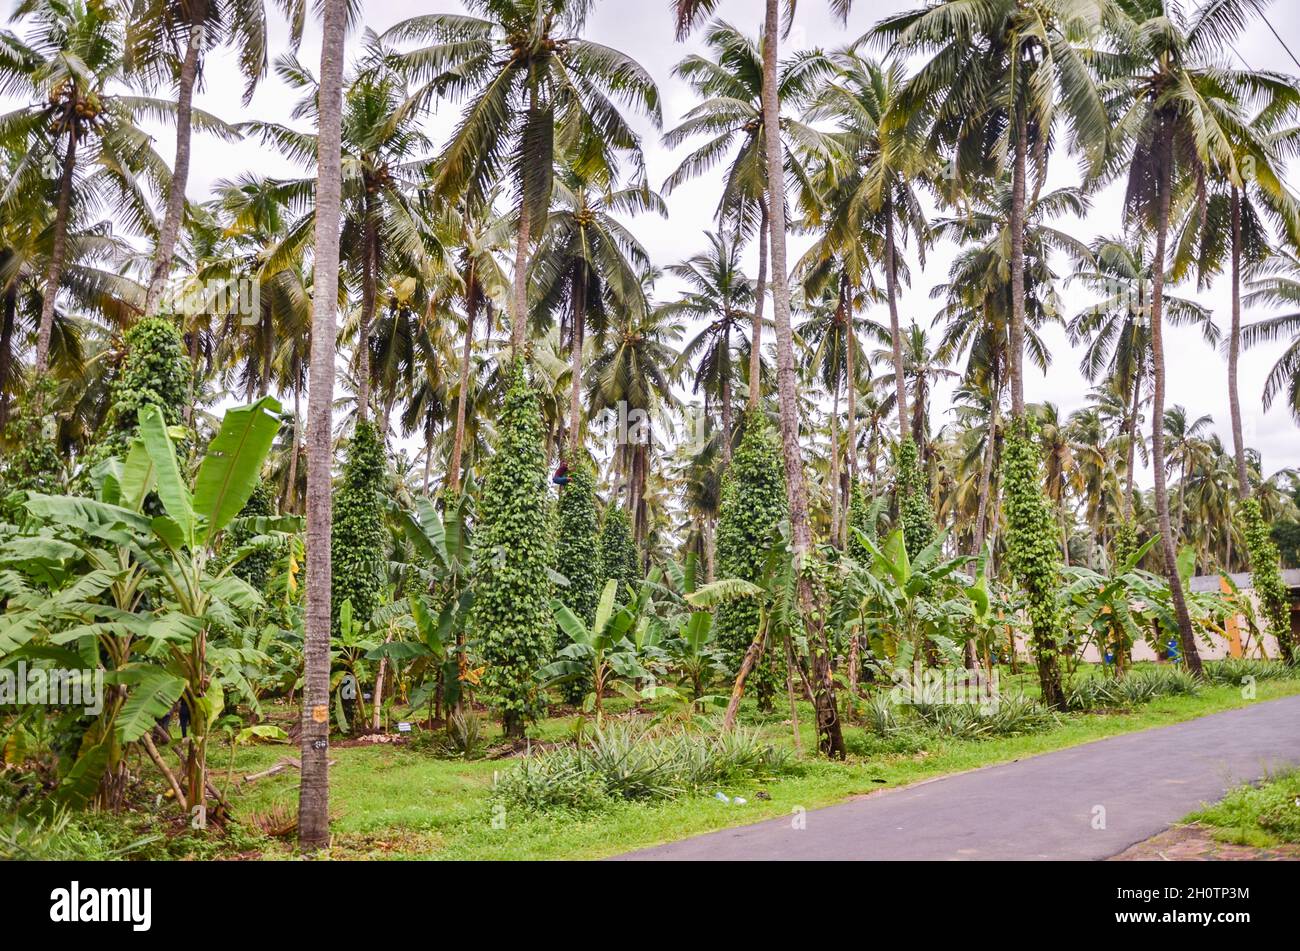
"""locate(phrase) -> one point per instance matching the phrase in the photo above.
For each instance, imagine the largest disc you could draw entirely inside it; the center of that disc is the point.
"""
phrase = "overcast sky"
(644, 30)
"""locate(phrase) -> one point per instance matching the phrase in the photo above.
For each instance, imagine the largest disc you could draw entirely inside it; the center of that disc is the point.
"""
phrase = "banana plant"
(349, 647)
(1113, 610)
(694, 654)
(1209, 610)
(601, 653)
(443, 550)
(913, 605)
(774, 594)
(105, 583)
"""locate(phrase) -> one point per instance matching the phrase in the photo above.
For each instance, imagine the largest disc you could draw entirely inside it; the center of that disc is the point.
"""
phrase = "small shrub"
(1172, 682)
(1010, 716)
(1018, 714)
(465, 738)
(1133, 690)
(65, 836)
(628, 762)
(1233, 671)
(1282, 817)
(1090, 693)
(957, 720)
(880, 714)
(557, 781)
(898, 742)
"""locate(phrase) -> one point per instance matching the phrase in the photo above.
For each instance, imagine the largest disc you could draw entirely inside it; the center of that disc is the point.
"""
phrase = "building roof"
(1290, 577)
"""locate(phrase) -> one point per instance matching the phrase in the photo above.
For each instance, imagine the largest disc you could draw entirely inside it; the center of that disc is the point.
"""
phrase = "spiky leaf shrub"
(357, 559)
(576, 544)
(1032, 554)
(254, 568)
(1266, 574)
(512, 616)
(754, 503)
(915, 513)
(618, 559)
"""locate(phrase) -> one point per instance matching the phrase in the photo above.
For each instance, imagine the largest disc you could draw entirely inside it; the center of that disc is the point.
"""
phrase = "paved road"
(1041, 807)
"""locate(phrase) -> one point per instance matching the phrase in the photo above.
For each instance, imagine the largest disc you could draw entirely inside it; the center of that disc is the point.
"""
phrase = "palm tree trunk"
(575, 370)
(171, 225)
(1130, 424)
(1186, 636)
(851, 371)
(895, 332)
(268, 351)
(313, 794)
(970, 655)
(519, 293)
(1017, 328)
(57, 253)
(519, 289)
(986, 475)
(290, 501)
(1234, 350)
(760, 292)
(709, 537)
(369, 279)
(8, 319)
(727, 428)
(193, 388)
(835, 465)
(1182, 499)
(458, 441)
(1065, 534)
(830, 738)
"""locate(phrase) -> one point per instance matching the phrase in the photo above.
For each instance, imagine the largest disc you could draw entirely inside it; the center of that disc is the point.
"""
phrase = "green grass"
(1262, 816)
(400, 803)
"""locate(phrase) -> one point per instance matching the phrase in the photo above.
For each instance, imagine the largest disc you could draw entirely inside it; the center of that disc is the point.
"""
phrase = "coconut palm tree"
(871, 198)
(384, 234)
(1186, 441)
(1232, 226)
(634, 376)
(1098, 479)
(832, 333)
(729, 83)
(93, 286)
(313, 794)
(1060, 467)
(1180, 117)
(1116, 330)
(689, 13)
(253, 216)
(157, 33)
(532, 84)
(722, 297)
(73, 66)
(1276, 283)
(587, 266)
(923, 367)
(477, 236)
(997, 77)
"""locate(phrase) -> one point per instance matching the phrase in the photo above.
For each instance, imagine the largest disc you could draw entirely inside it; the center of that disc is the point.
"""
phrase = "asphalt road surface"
(1043, 807)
